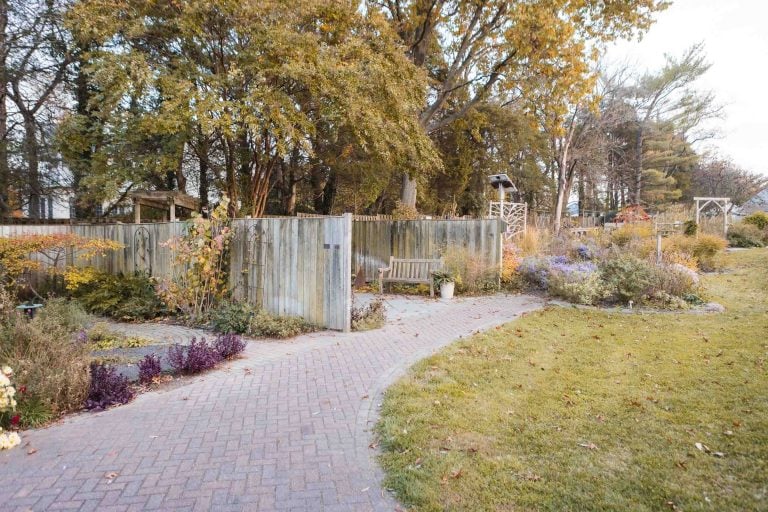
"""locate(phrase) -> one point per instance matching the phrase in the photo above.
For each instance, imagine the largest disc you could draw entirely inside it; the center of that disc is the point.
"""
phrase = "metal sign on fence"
(142, 250)
(257, 243)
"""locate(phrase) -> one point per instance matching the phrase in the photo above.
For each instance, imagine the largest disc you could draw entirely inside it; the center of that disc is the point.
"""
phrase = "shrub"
(674, 281)
(509, 264)
(626, 233)
(265, 325)
(228, 316)
(50, 364)
(757, 219)
(16, 252)
(101, 337)
(201, 253)
(707, 249)
(67, 314)
(472, 274)
(196, 357)
(149, 368)
(228, 345)
(371, 316)
(627, 278)
(124, 297)
(745, 235)
(690, 228)
(578, 286)
(534, 272)
(107, 388)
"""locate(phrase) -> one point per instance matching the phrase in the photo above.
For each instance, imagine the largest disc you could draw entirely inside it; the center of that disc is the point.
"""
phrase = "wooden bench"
(413, 271)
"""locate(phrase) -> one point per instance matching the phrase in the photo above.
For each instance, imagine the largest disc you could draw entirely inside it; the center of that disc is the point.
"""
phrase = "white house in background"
(59, 203)
(758, 203)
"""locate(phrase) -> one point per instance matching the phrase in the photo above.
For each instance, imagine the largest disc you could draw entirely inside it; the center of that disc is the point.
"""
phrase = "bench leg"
(432, 289)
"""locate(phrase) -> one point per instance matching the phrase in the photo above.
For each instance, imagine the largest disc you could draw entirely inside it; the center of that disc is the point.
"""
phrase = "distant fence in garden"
(291, 265)
(286, 265)
(374, 241)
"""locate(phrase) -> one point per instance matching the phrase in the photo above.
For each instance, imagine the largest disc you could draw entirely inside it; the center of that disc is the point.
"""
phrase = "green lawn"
(572, 409)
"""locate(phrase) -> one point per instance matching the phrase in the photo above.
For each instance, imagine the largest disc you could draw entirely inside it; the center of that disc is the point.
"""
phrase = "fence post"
(346, 271)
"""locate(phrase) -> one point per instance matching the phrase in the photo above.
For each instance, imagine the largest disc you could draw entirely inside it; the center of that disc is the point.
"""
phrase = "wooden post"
(172, 208)
(346, 266)
(136, 211)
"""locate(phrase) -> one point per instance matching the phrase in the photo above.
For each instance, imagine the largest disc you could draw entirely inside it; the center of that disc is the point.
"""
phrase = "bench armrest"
(384, 269)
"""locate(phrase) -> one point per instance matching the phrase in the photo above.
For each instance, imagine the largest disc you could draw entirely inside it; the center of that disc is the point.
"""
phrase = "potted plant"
(446, 282)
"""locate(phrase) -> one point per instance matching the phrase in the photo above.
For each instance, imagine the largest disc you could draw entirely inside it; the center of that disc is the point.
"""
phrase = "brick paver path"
(287, 427)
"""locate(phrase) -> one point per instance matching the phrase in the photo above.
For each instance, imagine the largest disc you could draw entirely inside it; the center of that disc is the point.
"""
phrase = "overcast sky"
(735, 36)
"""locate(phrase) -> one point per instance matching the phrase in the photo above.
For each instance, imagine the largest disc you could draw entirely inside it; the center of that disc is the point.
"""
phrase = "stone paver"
(287, 427)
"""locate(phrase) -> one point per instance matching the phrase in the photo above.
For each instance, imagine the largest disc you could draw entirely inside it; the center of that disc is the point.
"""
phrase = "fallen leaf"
(457, 473)
(589, 446)
(111, 475)
(31, 451)
(718, 454)
(373, 445)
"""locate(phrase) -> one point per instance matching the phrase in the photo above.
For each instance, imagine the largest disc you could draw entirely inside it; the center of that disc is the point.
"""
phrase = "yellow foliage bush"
(75, 277)
(626, 233)
(509, 264)
(15, 251)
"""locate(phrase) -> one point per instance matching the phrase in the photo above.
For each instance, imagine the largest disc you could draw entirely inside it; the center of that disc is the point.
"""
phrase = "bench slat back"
(413, 269)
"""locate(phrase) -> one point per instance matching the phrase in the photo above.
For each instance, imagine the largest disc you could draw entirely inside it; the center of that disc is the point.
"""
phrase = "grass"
(571, 409)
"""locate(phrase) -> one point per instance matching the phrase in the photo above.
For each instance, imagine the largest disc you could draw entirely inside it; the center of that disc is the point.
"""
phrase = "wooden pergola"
(165, 200)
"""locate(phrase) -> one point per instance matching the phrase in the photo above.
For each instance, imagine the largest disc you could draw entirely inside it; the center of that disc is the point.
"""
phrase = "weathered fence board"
(374, 241)
(292, 266)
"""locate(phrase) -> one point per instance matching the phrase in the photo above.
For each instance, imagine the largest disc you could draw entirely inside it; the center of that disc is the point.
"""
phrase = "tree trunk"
(639, 169)
(202, 183)
(33, 164)
(5, 178)
(408, 192)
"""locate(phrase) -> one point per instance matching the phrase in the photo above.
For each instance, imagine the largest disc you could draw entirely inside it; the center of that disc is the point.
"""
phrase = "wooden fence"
(374, 241)
(288, 266)
(292, 266)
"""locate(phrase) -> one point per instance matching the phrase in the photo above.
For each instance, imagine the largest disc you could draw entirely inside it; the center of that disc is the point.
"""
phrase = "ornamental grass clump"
(196, 357)
(50, 363)
(107, 388)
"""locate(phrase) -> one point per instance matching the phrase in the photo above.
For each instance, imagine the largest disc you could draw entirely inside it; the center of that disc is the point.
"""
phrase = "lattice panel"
(514, 216)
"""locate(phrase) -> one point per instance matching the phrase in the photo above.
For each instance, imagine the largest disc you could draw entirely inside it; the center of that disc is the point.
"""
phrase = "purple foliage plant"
(107, 388)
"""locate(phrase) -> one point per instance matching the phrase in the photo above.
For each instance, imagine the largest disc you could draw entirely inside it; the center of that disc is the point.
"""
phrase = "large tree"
(248, 86)
(479, 48)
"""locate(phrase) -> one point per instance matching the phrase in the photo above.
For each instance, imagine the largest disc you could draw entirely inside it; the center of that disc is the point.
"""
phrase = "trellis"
(514, 215)
(724, 203)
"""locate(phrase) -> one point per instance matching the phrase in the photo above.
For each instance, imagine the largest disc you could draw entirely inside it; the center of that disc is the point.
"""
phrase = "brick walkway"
(285, 428)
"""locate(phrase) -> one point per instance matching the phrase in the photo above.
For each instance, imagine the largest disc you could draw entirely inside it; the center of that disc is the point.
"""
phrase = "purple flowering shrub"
(196, 357)
(107, 388)
(149, 368)
(577, 281)
(228, 345)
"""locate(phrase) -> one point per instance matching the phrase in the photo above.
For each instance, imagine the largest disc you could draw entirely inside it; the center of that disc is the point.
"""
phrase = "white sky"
(735, 36)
